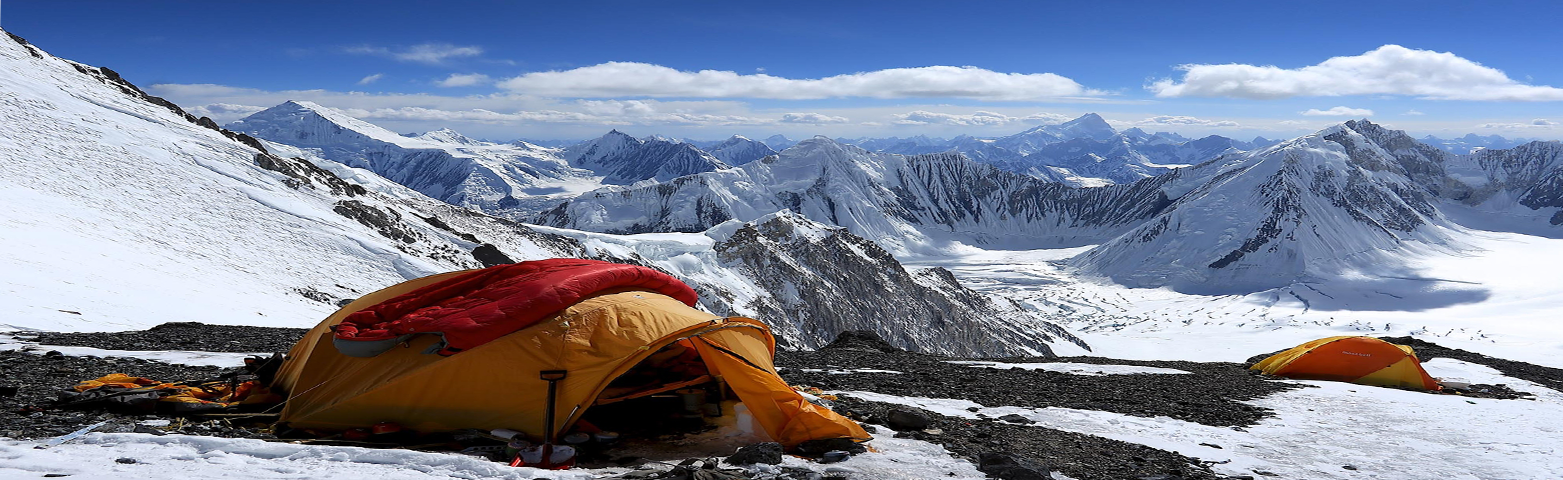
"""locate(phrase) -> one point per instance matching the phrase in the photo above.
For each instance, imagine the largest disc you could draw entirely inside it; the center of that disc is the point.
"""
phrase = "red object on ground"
(475, 308)
(385, 427)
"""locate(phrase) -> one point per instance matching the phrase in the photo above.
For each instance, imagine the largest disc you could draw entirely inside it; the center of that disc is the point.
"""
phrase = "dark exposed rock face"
(826, 281)
(490, 255)
(387, 222)
(302, 172)
(1533, 172)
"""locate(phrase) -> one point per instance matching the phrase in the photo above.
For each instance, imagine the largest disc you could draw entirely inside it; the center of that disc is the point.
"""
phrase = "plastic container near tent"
(1364, 360)
(480, 348)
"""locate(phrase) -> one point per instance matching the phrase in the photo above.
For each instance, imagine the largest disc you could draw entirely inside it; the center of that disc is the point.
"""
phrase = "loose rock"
(769, 453)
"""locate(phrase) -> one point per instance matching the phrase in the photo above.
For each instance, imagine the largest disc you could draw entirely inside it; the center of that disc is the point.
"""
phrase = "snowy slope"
(511, 180)
(1341, 204)
(123, 213)
(924, 203)
(1318, 207)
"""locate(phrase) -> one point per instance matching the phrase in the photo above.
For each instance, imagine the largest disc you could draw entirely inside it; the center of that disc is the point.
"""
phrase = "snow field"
(1317, 431)
(1499, 297)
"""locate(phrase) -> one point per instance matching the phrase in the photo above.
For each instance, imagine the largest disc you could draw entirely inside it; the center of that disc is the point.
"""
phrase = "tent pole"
(552, 377)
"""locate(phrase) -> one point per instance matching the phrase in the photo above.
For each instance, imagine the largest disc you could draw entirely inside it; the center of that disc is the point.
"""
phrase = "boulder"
(905, 420)
(1004, 466)
(769, 453)
(861, 340)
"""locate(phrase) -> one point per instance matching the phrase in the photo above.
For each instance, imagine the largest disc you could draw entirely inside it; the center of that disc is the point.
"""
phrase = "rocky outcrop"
(824, 281)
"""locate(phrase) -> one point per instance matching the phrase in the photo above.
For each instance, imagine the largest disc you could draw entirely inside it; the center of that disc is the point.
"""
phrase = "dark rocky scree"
(1211, 395)
(182, 336)
(1006, 448)
(1547, 376)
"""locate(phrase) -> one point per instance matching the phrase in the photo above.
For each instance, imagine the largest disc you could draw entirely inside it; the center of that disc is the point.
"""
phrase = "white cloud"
(223, 112)
(620, 79)
(463, 80)
(371, 79)
(978, 118)
(812, 118)
(1533, 124)
(427, 53)
(637, 108)
(1179, 120)
(1338, 112)
(1413, 113)
(1390, 69)
(478, 115)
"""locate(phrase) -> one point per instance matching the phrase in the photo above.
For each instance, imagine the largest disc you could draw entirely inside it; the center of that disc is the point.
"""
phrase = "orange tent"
(1364, 360)
(498, 384)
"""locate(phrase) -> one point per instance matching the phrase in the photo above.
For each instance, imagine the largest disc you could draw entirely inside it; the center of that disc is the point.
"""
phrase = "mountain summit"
(621, 159)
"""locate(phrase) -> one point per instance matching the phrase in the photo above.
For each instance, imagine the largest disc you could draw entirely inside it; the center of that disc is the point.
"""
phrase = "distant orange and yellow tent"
(1363, 360)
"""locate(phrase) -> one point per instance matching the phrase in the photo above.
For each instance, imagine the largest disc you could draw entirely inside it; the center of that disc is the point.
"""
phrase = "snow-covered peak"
(738, 150)
(779, 142)
(1089, 125)
(308, 124)
(1345, 199)
(446, 135)
(623, 160)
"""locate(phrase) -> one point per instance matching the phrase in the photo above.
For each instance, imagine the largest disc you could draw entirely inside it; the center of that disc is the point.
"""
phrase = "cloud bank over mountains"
(1387, 70)
(632, 79)
(939, 100)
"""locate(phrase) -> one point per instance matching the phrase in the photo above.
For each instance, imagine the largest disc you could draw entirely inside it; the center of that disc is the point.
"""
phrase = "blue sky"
(504, 70)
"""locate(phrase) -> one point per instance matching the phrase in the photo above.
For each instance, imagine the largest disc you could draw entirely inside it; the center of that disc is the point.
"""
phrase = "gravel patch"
(29, 413)
(181, 336)
(1211, 395)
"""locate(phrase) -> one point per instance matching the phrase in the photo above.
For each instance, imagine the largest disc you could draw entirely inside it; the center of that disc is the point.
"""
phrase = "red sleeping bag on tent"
(472, 309)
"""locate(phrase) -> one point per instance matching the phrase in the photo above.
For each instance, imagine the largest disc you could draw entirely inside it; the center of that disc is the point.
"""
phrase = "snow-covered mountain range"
(907, 204)
(1086, 151)
(147, 215)
(512, 180)
(1331, 204)
(1471, 143)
